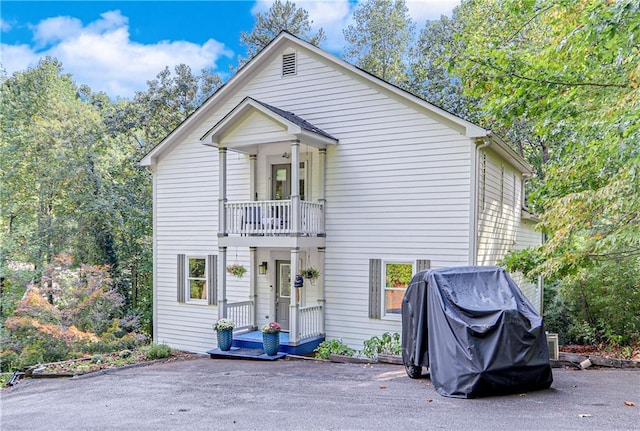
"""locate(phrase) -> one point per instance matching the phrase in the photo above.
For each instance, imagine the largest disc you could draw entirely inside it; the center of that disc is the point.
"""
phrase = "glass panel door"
(283, 292)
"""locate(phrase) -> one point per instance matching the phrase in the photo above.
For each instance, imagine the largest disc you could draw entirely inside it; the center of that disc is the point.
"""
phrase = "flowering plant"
(236, 270)
(271, 328)
(310, 273)
(224, 324)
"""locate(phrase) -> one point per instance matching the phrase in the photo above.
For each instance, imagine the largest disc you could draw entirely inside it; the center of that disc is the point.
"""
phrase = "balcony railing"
(272, 218)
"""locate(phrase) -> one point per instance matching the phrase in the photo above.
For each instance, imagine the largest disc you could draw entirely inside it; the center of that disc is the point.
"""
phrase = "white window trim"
(188, 279)
(383, 288)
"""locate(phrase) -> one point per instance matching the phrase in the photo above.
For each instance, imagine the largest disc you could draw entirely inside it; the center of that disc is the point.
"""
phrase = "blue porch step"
(253, 340)
(243, 353)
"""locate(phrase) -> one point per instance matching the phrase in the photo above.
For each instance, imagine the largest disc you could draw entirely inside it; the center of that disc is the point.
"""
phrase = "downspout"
(486, 141)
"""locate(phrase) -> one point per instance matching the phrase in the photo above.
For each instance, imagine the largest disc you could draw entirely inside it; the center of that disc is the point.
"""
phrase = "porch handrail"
(272, 217)
(310, 323)
(242, 314)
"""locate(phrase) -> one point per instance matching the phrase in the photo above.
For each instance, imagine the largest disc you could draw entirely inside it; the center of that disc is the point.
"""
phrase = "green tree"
(280, 16)
(51, 152)
(570, 72)
(432, 59)
(380, 38)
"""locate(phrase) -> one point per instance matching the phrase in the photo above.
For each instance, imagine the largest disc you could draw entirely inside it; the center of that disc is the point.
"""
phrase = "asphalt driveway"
(222, 394)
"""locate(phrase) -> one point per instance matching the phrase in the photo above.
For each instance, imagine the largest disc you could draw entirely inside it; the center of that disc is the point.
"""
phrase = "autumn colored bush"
(72, 311)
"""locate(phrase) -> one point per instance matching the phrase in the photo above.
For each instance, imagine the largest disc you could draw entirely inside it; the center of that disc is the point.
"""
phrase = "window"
(196, 279)
(388, 281)
(397, 276)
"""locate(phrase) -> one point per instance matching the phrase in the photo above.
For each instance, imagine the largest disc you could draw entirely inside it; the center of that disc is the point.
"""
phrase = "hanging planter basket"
(310, 273)
(236, 270)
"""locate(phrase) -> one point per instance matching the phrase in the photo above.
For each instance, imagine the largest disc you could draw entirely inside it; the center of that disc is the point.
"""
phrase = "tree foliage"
(380, 39)
(280, 16)
(570, 72)
(84, 315)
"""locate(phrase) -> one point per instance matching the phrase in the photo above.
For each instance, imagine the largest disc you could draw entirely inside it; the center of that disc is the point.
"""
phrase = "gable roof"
(285, 38)
(296, 127)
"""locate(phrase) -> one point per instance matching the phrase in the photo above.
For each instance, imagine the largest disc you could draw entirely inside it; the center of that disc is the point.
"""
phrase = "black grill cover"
(476, 331)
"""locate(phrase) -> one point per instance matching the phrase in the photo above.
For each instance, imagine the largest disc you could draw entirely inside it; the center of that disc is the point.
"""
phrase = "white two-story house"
(302, 160)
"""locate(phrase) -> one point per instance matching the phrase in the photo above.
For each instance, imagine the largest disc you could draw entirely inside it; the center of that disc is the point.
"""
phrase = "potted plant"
(271, 338)
(236, 270)
(310, 273)
(224, 331)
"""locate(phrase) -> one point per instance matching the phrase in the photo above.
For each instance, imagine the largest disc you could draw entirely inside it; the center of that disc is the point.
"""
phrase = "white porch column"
(295, 188)
(294, 305)
(253, 158)
(321, 299)
(222, 192)
(253, 283)
(222, 281)
(322, 162)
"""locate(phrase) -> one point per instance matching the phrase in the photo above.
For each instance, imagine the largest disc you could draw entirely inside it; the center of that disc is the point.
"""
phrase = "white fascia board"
(502, 148)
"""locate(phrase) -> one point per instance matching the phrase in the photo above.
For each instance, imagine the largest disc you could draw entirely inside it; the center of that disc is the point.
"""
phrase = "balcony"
(272, 222)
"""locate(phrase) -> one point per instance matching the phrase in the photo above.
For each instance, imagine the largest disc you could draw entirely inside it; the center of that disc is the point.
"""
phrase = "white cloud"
(17, 57)
(330, 15)
(4, 25)
(423, 10)
(102, 55)
(52, 30)
(335, 15)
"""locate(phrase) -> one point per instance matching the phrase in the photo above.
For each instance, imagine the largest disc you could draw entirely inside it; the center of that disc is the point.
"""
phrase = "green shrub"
(9, 360)
(333, 347)
(388, 344)
(156, 351)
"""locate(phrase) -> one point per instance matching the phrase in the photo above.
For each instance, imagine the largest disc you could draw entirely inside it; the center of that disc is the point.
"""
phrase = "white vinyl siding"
(529, 237)
(499, 219)
(398, 186)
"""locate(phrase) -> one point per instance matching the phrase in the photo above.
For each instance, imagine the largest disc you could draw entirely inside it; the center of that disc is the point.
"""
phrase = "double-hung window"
(197, 278)
(196, 281)
(388, 282)
(396, 276)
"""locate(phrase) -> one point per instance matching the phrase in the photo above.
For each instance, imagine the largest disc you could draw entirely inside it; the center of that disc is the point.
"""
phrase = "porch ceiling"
(252, 123)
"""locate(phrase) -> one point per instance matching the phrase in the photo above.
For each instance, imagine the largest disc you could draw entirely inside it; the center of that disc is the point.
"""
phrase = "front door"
(283, 292)
(281, 183)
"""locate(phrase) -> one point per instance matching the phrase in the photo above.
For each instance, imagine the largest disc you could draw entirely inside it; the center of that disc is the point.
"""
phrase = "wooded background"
(558, 80)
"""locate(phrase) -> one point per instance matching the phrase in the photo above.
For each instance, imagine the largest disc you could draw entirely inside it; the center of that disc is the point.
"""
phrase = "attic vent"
(289, 64)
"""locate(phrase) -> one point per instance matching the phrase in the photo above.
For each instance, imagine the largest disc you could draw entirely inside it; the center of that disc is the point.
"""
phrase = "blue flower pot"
(225, 340)
(271, 343)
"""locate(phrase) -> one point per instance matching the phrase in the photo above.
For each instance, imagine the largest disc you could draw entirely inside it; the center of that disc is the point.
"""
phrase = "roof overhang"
(498, 145)
(293, 128)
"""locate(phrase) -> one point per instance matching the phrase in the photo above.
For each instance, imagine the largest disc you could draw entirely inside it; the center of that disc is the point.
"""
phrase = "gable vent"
(289, 64)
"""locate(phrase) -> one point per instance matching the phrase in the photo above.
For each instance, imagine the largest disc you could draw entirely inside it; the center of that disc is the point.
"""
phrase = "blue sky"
(117, 46)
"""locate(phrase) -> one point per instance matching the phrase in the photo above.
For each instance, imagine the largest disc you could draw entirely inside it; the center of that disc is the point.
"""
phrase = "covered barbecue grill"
(476, 331)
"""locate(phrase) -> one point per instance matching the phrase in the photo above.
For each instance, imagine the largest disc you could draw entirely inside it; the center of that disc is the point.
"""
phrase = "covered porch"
(277, 208)
(302, 313)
